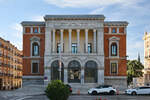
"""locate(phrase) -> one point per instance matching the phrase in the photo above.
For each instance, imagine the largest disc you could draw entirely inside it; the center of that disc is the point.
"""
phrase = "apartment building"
(10, 66)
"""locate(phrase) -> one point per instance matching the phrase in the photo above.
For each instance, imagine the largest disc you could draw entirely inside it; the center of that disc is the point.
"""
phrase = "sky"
(136, 12)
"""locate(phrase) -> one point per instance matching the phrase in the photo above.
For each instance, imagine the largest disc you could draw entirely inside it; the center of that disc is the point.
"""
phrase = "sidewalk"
(22, 92)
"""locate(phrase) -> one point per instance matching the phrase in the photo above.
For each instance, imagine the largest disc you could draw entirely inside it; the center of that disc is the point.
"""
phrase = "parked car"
(138, 90)
(102, 89)
(70, 88)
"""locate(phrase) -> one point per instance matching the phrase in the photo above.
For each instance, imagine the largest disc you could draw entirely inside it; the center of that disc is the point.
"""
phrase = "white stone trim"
(32, 77)
(113, 61)
(117, 30)
(39, 30)
(31, 30)
(35, 61)
(33, 40)
(114, 40)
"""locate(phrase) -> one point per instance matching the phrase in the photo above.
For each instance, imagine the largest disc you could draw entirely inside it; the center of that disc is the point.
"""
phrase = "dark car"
(70, 88)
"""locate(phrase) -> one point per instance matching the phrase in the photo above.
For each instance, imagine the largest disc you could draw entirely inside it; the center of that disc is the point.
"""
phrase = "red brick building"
(91, 51)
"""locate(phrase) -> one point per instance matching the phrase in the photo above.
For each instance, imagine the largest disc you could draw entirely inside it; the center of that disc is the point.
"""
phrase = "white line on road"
(24, 98)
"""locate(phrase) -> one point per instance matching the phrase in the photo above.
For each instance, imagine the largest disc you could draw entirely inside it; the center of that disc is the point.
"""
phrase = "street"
(88, 97)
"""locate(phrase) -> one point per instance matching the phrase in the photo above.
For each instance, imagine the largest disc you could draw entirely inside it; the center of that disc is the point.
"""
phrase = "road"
(88, 97)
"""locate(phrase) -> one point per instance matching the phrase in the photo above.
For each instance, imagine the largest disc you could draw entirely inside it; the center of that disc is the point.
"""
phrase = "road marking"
(24, 98)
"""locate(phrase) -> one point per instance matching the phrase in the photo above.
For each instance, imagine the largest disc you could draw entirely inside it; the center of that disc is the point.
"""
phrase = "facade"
(146, 59)
(81, 50)
(10, 66)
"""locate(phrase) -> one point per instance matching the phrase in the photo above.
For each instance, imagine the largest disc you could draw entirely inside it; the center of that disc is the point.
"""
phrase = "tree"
(134, 69)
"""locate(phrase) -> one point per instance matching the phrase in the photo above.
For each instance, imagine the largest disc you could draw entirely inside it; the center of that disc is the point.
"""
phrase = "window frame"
(38, 63)
(33, 47)
(113, 62)
(75, 48)
(114, 46)
(114, 40)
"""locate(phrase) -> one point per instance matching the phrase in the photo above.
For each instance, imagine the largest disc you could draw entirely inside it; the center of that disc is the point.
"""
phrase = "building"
(10, 66)
(146, 59)
(89, 50)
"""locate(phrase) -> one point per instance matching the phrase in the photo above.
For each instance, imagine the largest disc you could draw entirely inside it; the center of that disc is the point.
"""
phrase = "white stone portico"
(76, 23)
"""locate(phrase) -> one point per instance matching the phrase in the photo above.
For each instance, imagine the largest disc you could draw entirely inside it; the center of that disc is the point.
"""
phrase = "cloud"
(89, 3)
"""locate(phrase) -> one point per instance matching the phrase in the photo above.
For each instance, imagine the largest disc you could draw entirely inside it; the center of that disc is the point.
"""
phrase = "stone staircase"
(82, 88)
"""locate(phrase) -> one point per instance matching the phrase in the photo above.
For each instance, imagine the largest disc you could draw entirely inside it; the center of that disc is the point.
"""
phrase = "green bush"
(56, 90)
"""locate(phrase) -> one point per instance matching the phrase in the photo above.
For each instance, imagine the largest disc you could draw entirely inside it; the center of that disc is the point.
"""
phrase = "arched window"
(90, 72)
(55, 70)
(35, 49)
(113, 49)
(74, 72)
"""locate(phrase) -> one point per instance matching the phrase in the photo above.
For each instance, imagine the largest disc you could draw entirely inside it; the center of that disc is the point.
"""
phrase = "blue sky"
(136, 12)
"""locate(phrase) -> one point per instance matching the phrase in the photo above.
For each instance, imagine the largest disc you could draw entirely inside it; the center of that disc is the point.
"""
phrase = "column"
(82, 75)
(48, 41)
(86, 40)
(53, 40)
(61, 40)
(100, 76)
(70, 43)
(100, 41)
(47, 74)
(78, 40)
(109, 30)
(65, 75)
(94, 40)
(117, 29)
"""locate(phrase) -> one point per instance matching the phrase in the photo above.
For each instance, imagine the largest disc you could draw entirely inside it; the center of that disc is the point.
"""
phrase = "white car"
(102, 89)
(138, 90)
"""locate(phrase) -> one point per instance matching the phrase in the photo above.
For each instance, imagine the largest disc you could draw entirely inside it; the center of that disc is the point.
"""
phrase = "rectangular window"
(113, 68)
(35, 67)
(89, 48)
(74, 47)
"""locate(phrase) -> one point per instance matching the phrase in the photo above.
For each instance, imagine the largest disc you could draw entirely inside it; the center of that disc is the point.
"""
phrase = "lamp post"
(60, 64)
